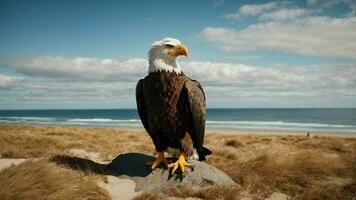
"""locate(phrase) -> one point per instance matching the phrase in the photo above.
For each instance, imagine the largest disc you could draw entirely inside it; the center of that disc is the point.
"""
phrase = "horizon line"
(206, 108)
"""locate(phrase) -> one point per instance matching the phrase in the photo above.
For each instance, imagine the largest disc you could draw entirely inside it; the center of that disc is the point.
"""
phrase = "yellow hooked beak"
(179, 50)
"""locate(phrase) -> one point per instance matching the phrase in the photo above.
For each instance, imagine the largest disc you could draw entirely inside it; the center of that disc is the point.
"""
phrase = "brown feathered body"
(172, 109)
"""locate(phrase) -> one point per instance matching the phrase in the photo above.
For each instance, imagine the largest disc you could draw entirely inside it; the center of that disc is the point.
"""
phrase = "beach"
(243, 100)
(318, 166)
(280, 120)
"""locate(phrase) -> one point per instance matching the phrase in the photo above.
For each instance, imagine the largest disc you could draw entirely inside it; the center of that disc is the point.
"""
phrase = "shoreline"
(254, 132)
(216, 131)
(280, 132)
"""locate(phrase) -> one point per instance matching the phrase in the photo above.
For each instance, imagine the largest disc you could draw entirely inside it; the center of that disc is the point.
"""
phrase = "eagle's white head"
(163, 55)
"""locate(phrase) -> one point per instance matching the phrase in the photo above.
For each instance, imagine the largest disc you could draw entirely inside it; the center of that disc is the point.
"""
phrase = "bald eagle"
(171, 107)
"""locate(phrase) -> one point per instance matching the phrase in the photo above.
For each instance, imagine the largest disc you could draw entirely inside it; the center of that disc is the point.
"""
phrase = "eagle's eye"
(169, 45)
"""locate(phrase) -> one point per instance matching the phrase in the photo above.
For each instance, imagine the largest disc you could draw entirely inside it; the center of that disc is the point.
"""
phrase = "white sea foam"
(231, 125)
(30, 118)
(102, 120)
(276, 123)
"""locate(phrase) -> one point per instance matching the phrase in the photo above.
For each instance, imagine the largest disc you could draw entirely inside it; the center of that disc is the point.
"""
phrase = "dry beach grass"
(44, 180)
(314, 167)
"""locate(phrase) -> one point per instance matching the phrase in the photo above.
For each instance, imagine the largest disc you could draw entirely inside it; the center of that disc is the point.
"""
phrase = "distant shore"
(260, 132)
(223, 131)
(275, 132)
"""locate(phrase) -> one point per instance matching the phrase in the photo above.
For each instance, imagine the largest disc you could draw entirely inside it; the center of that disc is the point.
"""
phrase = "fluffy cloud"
(35, 92)
(286, 27)
(251, 10)
(276, 79)
(8, 81)
(77, 82)
(223, 83)
(243, 85)
(4, 81)
(79, 68)
(311, 36)
(312, 2)
(286, 14)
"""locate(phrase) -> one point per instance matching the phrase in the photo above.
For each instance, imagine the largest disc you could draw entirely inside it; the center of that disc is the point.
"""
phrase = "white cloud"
(311, 36)
(79, 68)
(223, 83)
(274, 79)
(35, 92)
(244, 58)
(251, 10)
(285, 14)
(4, 81)
(275, 11)
(8, 81)
(244, 85)
(312, 2)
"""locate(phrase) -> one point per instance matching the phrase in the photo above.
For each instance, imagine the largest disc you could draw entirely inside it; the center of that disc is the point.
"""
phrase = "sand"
(8, 162)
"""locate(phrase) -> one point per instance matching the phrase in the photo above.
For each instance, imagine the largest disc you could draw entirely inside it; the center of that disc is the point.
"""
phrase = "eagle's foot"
(160, 159)
(181, 163)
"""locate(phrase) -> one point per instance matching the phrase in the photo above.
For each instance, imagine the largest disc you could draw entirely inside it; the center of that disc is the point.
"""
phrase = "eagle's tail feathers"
(203, 153)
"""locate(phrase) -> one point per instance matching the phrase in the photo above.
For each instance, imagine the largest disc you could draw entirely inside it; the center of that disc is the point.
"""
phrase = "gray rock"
(132, 166)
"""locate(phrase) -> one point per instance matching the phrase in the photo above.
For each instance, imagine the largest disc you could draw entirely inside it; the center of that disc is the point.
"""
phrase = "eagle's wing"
(195, 101)
(141, 104)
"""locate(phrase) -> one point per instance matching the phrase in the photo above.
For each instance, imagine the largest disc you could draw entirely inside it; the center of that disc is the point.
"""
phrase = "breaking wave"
(228, 125)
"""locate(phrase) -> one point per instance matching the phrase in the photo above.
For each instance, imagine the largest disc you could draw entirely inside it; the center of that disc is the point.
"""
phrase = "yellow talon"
(160, 159)
(181, 163)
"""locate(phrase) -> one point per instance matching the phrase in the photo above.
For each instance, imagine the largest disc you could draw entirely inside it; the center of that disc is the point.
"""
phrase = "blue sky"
(90, 54)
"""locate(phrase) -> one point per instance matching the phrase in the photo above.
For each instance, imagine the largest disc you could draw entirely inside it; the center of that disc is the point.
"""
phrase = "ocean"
(296, 120)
